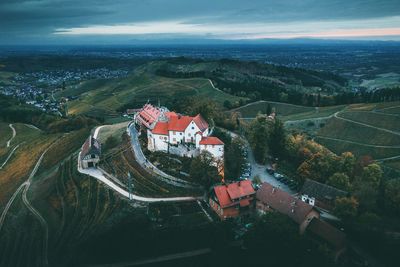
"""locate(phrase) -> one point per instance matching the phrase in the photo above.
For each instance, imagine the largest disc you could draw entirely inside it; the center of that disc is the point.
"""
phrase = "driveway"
(259, 169)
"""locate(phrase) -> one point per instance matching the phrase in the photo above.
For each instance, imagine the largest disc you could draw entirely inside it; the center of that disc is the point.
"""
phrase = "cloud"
(38, 20)
(254, 30)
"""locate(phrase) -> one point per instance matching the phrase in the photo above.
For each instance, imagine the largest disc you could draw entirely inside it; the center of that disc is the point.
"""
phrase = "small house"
(90, 153)
(232, 200)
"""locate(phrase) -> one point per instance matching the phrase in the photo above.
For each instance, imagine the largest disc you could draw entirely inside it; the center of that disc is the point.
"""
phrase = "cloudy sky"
(127, 21)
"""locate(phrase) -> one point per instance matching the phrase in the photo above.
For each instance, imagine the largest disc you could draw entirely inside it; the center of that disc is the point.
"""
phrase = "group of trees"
(275, 240)
(266, 135)
(203, 170)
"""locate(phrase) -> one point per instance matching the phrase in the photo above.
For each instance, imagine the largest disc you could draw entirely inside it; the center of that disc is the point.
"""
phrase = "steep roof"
(321, 191)
(179, 123)
(149, 114)
(227, 195)
(91, 146)
(283, 202)
(160, 128)
(327, 232)
(211, 140)
(200, 122)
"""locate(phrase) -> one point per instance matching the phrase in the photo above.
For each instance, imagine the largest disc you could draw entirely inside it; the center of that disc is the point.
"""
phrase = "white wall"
(190, 132)
(157, 142)
(216, 150)
(178, 136)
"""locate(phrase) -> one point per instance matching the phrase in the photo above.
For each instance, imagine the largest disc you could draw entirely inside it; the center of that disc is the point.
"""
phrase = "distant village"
(37, 88)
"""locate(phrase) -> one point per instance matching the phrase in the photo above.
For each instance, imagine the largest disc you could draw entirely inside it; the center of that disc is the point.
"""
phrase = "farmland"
(102, 98)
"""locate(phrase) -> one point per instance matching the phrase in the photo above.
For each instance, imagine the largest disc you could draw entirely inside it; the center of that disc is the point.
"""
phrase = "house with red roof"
(232, 200)
(270, 198)
(166, 129)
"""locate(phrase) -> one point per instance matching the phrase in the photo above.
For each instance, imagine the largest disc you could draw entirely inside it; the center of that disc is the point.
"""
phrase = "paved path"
(32, 126)
(9, 156)
(147, 165)
(259, 169)
(96, 173)
(14, 134)
(25, 186)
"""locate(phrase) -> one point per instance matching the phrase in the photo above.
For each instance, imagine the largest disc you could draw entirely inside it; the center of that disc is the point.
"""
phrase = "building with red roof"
(270, 198)
(232, 200)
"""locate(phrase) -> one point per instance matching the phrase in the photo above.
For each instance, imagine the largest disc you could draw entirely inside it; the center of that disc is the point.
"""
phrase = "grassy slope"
(103, 97)
(375, 119)
(283, 109)
(341, 129)
(22, 162)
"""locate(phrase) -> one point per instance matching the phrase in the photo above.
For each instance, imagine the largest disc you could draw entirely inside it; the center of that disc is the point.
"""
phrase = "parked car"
(270, 170)
(278, 175)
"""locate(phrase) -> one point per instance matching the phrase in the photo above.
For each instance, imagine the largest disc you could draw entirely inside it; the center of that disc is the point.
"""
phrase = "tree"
(339, 180)
(346, 207)
(277, 139)
(203, 171)
(268, 110)
(227, 104)
(258, 136)
(392, 195)
(347, 163)
(372, 174)
(234, 159)
(273, 235)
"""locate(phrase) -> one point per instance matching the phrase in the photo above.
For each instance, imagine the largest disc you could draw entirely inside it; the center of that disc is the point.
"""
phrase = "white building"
(166, 129)
(90, 154)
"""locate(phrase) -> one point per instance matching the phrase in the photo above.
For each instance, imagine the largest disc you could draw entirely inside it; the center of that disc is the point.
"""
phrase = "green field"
(337, 128)
(379, 120)
(101, 98)
(282, 109)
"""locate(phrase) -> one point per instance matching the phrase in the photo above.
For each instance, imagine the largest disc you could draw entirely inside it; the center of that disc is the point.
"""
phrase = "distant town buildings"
(90, 153)
(232, 200)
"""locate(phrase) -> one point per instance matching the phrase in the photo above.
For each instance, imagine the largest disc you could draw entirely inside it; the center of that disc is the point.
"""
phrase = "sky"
(24, 22)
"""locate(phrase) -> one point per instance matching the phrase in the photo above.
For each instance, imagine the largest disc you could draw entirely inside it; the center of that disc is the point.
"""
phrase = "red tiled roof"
(226, 194)
(327, 232)
(91, 146)
(283, 202)
(200, 122)
(179, 123)
(240, 189)
(211, 140)
(170, 114)
(148, 114)
(160, 128)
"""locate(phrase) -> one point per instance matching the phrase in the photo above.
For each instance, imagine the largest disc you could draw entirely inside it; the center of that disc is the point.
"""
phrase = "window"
(192, 128)
(174, 139)
(93, 156)
(212, 146)
(174, 132)
(189, 134)
(180, 133)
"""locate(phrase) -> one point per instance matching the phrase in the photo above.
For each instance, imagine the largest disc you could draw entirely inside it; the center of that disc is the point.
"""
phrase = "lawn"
(375, 119)
(358, 149)
(5, 134)
(282, 109)
(103, 98)
(321, 112)
(340, 129)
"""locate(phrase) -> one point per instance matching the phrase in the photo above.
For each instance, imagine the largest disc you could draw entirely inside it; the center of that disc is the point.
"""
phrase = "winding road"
(13, 135)
(25, 187)
(9, 156)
